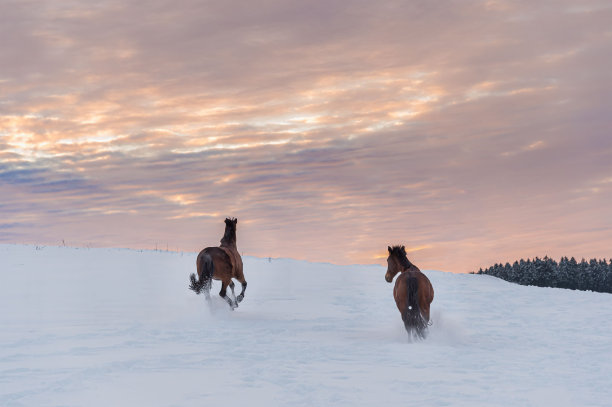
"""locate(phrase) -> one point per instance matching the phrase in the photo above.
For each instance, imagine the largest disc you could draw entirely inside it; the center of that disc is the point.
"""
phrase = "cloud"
(468, 129)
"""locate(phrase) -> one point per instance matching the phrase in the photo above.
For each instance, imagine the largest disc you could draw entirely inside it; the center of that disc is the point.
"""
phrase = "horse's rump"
(221, 259)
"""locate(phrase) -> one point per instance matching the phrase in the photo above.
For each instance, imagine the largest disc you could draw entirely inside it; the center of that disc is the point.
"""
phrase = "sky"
(472, 132)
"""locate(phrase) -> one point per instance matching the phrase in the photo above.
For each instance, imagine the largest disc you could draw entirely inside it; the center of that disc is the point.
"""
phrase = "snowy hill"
(109, 327)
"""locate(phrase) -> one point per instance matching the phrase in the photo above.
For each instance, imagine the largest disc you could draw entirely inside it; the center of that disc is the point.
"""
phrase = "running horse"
(413, 292)
(220, 263)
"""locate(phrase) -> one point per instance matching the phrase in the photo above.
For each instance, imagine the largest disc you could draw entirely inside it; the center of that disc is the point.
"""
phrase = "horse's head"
(396, 262)
(231, 222)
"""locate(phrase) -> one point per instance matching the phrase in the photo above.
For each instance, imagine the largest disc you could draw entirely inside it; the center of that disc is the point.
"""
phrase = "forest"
(592, 275)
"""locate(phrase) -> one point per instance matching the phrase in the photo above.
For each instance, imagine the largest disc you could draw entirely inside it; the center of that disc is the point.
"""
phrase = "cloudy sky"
(472, 132)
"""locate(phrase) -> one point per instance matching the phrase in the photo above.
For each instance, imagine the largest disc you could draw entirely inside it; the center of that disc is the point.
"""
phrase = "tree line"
(593, 275)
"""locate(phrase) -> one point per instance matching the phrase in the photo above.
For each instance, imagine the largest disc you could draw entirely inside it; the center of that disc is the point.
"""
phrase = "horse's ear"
(235, 221)
(403, 248)
(389, 248)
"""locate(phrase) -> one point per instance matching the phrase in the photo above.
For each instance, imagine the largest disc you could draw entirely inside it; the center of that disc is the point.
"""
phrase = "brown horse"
(220, 263)
(413, 291)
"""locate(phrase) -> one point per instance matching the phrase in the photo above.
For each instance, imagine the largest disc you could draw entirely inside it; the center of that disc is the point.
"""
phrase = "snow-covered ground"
(110, 327)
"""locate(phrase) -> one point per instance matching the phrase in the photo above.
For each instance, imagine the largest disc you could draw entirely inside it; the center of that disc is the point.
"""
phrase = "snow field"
(101, 327)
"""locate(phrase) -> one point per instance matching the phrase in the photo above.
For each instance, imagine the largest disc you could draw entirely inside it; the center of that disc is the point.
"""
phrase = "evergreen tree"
(595, 275)
(564, 273)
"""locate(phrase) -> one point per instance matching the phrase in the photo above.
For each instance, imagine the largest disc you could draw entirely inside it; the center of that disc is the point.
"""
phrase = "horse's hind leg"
(244, 286)
(206, 289)
(223, 294)
(231, 286)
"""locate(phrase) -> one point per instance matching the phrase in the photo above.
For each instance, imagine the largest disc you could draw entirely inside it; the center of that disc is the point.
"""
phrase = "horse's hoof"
(240, 298)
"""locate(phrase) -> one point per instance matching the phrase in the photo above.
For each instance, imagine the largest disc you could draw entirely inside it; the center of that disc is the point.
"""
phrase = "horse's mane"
(229, 236)
(399, 252)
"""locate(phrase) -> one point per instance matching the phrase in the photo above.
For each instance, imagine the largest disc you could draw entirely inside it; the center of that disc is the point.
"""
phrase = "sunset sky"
(472, 132)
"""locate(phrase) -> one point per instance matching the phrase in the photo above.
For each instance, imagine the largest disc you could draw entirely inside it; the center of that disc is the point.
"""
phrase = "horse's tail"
(413, 320)
(206, 269)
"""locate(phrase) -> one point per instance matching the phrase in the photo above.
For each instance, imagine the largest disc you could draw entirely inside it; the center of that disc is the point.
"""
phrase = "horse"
(413, 292)
(220, 263)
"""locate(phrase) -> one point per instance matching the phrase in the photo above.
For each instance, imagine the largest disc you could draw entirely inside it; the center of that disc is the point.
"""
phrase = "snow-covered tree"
(595, 275)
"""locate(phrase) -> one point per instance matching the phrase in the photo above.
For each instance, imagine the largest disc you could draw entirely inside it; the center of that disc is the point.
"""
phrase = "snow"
(100, 327)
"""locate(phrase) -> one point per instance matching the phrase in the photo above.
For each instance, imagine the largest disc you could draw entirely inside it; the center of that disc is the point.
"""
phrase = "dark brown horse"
(220, 263)
(413, 291)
